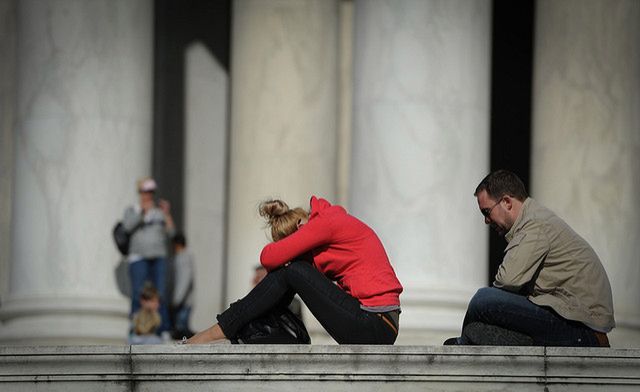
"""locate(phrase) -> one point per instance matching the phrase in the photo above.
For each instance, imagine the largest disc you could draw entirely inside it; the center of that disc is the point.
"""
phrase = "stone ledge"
(316, 368)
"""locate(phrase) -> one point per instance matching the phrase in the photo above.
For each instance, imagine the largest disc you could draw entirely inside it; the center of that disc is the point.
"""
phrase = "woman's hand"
(165, 206)
(209, 335)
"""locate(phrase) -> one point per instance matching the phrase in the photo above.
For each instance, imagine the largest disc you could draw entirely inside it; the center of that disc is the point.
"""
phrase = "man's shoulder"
(539, 213)
(551, 224)
(535, 218)
(132, 209)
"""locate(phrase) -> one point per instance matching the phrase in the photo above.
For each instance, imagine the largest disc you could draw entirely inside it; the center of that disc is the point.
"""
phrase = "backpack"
(121, 238)
(279, 327)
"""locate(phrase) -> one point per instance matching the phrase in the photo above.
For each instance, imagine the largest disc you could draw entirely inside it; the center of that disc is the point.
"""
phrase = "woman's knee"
(298, 268)
(299, 265)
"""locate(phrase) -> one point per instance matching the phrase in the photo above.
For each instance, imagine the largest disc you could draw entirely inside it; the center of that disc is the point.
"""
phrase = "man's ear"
(508, 202)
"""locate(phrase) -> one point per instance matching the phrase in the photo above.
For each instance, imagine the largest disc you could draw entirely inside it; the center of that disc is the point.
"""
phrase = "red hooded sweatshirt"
(345, 250)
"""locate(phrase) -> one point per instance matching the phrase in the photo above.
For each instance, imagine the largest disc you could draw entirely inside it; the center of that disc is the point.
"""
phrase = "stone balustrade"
(316, 368)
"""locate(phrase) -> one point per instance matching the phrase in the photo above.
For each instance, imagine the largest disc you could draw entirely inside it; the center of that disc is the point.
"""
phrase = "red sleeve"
(310, 236)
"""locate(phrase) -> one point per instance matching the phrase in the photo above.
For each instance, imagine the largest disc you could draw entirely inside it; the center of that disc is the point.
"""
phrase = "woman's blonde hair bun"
(271, 209)
(280, 218)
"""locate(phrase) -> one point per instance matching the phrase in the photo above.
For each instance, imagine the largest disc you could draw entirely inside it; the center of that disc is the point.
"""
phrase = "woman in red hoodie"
(309, 252)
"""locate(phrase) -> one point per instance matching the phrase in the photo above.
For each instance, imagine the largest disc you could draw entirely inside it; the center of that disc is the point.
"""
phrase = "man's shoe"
(452, 342)
(490, 335)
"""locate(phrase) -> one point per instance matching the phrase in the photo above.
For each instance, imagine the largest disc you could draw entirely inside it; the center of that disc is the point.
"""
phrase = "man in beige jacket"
(551, 288)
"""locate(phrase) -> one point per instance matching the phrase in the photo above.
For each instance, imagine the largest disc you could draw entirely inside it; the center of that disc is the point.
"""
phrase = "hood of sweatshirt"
(318, 205)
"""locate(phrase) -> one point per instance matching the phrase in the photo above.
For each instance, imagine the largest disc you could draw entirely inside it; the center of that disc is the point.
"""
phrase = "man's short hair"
(180, 239)
(501, 183)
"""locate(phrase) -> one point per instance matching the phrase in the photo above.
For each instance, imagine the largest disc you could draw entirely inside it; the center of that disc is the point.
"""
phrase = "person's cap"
(148, 185)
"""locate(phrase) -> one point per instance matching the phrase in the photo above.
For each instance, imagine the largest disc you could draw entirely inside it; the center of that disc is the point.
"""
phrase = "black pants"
(339, 313)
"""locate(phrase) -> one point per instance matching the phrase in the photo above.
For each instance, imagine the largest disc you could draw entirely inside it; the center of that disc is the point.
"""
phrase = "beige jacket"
(555, 267)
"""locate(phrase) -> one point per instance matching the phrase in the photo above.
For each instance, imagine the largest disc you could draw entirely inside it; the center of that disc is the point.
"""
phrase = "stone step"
(227, 367)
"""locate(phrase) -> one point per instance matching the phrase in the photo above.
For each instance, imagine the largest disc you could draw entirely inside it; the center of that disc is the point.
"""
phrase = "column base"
(64, 321)
(627, 331)
(429, 315)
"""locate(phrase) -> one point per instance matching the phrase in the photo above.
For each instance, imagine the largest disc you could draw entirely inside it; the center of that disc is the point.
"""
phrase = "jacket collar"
(519, 220)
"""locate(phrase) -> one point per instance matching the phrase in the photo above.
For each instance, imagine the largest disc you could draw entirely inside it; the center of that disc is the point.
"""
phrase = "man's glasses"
(487, 211)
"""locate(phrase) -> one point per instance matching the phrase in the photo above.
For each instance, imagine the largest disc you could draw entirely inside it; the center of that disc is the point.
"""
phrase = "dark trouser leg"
(271, 293)
(338, 312)
(515, 312)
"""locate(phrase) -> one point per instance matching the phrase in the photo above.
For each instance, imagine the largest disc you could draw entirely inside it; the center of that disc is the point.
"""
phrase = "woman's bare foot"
(207, 336)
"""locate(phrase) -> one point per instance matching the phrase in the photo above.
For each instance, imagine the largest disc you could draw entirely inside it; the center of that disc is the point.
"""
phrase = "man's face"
(494, 212)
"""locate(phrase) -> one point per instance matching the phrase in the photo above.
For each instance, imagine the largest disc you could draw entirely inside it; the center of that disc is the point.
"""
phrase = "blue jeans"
(154, 271)
(515, 312)
(181, 319)
(338, 312)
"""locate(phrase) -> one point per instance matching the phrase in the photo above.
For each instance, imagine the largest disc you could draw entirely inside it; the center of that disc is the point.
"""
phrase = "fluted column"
(7, 102)
(586, 136)
(207, 92)
(82, 136)
(283, 118)
(421, 145)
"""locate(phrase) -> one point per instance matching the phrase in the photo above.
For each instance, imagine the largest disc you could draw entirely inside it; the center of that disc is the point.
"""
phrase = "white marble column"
(586, 136)
(207, 92)
(345, 116)
(420, 147)
(283, 118)
(83, 135)
(7, 103)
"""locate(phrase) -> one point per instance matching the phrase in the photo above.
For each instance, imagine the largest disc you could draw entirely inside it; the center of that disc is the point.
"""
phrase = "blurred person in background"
(149, 225)
(183, 273)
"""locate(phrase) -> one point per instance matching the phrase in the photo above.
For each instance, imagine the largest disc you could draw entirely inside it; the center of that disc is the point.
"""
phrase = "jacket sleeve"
(310, 236)
(523, 258)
